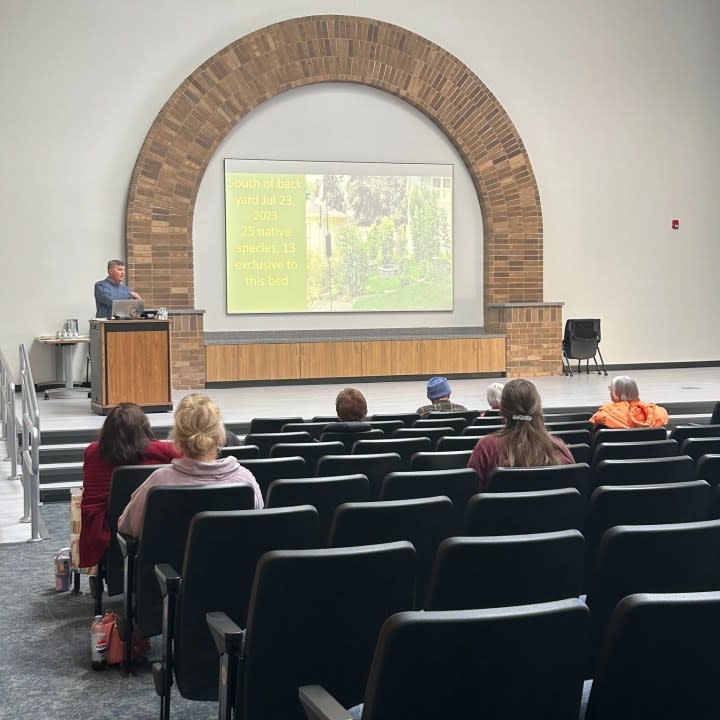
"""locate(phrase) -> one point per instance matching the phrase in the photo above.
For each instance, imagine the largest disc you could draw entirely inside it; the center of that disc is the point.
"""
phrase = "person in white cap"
(438, 392)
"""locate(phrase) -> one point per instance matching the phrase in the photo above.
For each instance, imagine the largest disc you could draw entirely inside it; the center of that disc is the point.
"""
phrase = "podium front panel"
(131, 363)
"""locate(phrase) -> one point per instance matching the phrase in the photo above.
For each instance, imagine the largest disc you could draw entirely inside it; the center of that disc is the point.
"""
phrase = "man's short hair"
(115, 263)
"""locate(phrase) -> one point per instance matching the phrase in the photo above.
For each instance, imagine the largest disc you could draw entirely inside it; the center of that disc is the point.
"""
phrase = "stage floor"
(683, 386)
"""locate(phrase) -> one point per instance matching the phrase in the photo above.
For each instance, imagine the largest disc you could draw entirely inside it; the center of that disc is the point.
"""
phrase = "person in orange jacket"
(626, 409)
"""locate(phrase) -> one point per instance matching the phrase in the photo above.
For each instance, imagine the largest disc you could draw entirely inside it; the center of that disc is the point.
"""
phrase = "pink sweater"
(185, 471)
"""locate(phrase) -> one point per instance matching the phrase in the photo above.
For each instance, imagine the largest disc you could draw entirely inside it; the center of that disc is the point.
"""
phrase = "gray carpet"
(45, 645)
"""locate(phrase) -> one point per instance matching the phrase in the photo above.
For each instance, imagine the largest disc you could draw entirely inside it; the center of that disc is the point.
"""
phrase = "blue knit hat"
(438, 387)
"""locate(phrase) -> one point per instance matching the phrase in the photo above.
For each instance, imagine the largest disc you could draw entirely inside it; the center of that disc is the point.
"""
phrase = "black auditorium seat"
(168, 513)
(314, 616)
(486, 572)
(516, 662)
(217, 573)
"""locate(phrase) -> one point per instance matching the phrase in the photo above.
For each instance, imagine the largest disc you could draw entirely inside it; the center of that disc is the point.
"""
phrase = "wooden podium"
(130, 362)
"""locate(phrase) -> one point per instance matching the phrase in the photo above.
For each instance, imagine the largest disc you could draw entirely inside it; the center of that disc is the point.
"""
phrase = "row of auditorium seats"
(250, 669)
(312, 615)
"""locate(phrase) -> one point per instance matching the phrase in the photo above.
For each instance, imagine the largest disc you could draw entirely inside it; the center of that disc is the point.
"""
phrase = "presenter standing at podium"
(112, 288)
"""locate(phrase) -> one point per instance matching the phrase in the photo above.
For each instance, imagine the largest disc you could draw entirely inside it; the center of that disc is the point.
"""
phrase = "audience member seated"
(493, 395)
(626, 410)
(351, 408)
(524, 441)
(126, 438)
(438, 393)
(199, 432)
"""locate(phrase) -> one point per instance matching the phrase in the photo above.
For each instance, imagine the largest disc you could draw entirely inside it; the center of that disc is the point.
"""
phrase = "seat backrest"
(241, 452)
(583, 328)
(573, 436)
(630, 450)
(375, 467)
(581, 338)
(499, 663)
(469, 415)
(451, 443)
(678, 557)
(407, 418)
(697, 447)
(456, 423)
(310, 452)
(434, 433)
(642, 505)
(562, 425)
(168, 513)
(442, 460)
(424, 522)
(553, 416)
(323, 493)
(659, 659)
(266, 440)
(683, 432)
(480, 430)
(314, 428)
(550, 477)
(271, 424)
(459, 485)
(484, 572)
(314, 617)
(708, 468)
(491, 417)
(615, 435)
(404, 447)
(222, 551)
(350, 438)
(641, 471)
(581, 452)
(387, 426)
(125, 479)
(518, 513)
(265, 470)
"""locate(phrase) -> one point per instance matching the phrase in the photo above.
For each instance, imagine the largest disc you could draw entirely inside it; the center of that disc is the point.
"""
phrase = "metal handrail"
(30, 447)
(8, 416)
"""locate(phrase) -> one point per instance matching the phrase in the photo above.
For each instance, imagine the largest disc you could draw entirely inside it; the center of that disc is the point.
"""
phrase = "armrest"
(227, 635)
(319, 704)
(168, 578)
(128, 544)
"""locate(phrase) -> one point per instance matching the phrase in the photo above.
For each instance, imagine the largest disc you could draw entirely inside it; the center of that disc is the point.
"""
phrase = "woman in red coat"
(126, 438)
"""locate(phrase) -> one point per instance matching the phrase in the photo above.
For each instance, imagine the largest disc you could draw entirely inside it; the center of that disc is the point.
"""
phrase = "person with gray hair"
(494, 393)
(626, 410)
(112, 288)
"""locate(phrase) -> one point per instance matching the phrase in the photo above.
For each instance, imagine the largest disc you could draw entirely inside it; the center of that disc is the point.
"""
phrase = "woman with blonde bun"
(199, 432)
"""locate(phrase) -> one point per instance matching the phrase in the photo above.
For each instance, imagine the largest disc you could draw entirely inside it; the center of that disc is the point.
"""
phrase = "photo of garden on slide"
(350, 242)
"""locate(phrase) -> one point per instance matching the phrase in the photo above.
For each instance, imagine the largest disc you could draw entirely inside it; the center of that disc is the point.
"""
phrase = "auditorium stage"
(689, 394)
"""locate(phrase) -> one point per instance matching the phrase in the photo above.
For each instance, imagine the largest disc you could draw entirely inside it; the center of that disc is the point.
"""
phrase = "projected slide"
(338, 237)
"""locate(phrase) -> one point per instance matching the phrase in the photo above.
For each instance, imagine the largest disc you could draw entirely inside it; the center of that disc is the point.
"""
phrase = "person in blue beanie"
(438, 393)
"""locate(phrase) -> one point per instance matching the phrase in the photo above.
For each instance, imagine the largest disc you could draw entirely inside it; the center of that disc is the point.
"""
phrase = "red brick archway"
(331, 48)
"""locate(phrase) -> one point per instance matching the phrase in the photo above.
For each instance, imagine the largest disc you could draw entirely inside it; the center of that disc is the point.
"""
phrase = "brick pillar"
(187, 344)
(534, 336)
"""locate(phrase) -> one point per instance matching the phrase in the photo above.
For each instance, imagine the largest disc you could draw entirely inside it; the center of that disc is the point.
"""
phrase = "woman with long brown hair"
(126, 438)
(524, 441)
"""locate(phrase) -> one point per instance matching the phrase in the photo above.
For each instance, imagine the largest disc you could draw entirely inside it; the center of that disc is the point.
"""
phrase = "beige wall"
(616, 107)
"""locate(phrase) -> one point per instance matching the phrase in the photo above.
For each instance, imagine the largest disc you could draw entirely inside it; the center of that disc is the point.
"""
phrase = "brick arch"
(324, 48)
